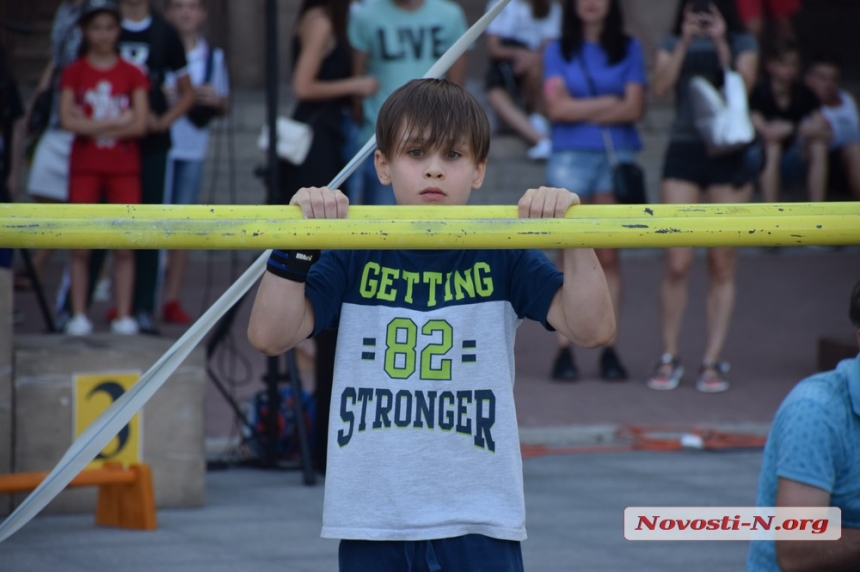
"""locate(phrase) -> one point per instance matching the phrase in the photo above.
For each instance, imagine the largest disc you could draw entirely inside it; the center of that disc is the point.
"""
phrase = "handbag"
(628, 178)
(294, 140)
(722, 119)
(201, 115)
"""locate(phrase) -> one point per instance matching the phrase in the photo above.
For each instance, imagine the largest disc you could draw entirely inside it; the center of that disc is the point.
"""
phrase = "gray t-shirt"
(701, 59)
(423, 440)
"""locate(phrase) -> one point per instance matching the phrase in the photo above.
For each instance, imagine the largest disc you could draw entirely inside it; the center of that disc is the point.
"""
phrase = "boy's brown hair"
(444, 111)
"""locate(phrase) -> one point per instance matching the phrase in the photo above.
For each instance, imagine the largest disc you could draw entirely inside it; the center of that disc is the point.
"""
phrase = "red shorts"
(116, 189)
(754, 9)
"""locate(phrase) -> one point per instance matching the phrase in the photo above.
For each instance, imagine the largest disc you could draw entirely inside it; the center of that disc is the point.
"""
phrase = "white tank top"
(844, 121)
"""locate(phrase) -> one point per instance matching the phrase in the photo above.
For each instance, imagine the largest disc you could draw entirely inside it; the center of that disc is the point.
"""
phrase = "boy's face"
(186, 15)
(823, 80)
(421, 175)
(785, 68)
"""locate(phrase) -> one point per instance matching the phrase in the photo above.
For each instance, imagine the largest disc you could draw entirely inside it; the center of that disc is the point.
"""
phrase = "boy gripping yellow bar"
(468, 227)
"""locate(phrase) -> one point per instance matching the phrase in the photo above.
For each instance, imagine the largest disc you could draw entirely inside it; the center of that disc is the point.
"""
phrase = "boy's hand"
(546, 202)
(321, 202)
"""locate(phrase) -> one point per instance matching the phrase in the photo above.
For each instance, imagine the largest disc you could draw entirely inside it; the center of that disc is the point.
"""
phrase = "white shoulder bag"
(722, 119)
(294, 140)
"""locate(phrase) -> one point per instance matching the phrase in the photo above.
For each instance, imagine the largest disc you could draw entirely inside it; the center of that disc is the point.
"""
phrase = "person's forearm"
(279, 319)
(586, 304)
(45, 78)
(629, 110)
(572, 109)
(724, 52)
(322, 90)
(457, 72)
(18, 131)
(666, 75)
(182, 106)
(130, 131)
(841, 555)
(86, 126)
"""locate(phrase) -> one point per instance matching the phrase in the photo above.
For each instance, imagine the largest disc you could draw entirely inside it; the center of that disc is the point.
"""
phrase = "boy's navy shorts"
(459, 554)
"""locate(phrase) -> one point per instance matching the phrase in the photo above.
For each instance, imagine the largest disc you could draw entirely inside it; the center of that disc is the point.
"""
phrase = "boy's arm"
(818, 556)
(185, 101)
(282, 315)
(582, 308)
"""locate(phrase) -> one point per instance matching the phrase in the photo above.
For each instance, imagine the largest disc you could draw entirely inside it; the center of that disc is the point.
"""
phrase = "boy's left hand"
(546, 202)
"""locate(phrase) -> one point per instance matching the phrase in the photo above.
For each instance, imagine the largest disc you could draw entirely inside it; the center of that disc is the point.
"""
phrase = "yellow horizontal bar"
(468, 212)
(262, 227)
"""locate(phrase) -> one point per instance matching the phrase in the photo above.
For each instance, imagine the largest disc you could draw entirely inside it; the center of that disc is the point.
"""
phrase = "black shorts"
(501, 72)
(689, 161)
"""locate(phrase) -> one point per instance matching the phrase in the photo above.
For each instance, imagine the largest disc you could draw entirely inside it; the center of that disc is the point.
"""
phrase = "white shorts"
(49, 173)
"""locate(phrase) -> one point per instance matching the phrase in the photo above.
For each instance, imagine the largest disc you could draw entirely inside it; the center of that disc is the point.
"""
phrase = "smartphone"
(701, 6)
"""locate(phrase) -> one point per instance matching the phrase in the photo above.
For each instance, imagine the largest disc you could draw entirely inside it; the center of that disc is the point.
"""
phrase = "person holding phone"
(707, 39)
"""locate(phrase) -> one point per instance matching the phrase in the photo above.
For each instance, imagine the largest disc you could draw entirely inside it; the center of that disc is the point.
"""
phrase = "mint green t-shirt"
(401, 45)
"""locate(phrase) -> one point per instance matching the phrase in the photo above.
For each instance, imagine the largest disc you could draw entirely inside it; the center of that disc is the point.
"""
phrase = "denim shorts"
(184, 178)
(459, 554)
(584, 172)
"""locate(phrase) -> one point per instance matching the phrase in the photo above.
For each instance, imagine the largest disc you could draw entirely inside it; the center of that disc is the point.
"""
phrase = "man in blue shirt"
(812, 458)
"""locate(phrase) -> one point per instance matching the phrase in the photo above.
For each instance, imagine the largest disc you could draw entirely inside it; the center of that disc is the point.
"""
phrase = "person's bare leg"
(769, 178)
(123, 277)
(79, 278)
(511, 114)
(817, 165)
(851, 162)
(721, 279)
(673, 290)
(177, 261)
(532, 86)
(611, 264)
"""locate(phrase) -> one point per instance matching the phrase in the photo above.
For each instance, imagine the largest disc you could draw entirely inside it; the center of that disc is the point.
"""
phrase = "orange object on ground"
(126, 498)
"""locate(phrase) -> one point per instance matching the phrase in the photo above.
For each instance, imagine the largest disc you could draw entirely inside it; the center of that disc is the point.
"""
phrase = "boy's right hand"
(321, 202)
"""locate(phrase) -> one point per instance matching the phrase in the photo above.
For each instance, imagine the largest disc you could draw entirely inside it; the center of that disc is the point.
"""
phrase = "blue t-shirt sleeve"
(635, 63)
(325, 289)
(533, 282)
(809, 445)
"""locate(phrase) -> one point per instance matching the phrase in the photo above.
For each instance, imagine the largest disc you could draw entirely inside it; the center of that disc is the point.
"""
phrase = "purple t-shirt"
(608, 79)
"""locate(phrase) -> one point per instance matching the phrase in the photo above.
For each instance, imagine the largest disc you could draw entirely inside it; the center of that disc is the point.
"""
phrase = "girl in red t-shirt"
(103, 101)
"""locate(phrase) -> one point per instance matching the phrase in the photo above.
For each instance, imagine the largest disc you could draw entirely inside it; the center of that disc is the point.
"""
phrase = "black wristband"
(292, 264)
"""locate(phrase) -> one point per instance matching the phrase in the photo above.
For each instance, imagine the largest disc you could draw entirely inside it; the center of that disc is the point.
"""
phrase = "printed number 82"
(401, 350)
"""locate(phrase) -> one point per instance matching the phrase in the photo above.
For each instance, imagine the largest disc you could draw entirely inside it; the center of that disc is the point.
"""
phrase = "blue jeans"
(184, 181)
(459, 554)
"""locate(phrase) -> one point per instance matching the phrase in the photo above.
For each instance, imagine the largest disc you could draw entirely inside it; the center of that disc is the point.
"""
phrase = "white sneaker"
(79, 325)
(126, 326)
(102, 291)
(540, 124)
(541, 151)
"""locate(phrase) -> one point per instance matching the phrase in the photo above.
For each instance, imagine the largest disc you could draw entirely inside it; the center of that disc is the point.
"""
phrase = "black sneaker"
(610, 366)
(145, 323)
(564, 368)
